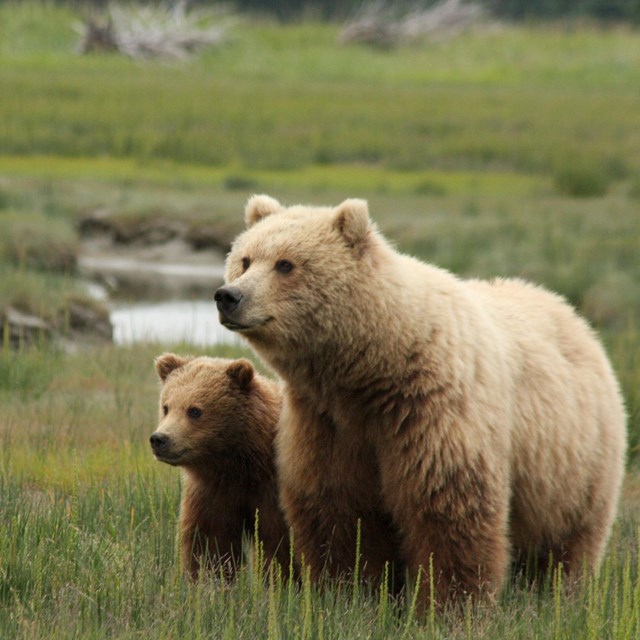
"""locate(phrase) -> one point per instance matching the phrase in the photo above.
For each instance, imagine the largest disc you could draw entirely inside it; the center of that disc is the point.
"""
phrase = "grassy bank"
(473, 224)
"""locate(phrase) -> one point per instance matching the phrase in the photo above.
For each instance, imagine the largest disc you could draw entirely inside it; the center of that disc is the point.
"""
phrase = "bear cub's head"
(202, 408)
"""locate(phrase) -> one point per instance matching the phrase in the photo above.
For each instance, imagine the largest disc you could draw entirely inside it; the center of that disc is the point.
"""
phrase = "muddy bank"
(152, 272)
(153, 257)
(146, 278)
(84, 321)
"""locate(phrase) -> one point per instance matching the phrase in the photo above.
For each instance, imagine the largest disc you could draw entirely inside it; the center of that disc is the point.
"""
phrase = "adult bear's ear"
(259, 207)
(351, 219)
(168, 362)
(241, 371)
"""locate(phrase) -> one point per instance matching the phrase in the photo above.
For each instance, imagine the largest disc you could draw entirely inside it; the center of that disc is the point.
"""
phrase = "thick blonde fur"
(218, 420)
(463, 423)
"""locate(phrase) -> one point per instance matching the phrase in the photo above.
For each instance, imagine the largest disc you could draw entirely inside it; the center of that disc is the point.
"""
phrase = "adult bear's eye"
(245, 263)
(284, 266)
(194, 412)
(165, 409)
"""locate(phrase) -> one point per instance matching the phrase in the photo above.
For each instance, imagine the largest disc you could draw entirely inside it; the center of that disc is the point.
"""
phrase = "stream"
(164, 297)
(189, 321)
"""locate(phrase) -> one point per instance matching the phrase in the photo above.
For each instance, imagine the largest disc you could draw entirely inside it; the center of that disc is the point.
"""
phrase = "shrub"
(240, 182)
(581, 180)
(37, 241)
(634, 188)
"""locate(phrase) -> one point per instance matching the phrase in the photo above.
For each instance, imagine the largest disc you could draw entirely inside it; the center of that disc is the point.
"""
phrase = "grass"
(87, 532)
(37, 241)
(514, 100)
(510, 151)
(74, 109)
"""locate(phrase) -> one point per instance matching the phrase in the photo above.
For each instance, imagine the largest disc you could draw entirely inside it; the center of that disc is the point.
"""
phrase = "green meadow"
(508, 151)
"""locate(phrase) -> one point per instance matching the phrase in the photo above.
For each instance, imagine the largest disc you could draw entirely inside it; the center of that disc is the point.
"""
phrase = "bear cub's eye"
(284, 266)
(194, 412)
(165, 409)
(246, 262)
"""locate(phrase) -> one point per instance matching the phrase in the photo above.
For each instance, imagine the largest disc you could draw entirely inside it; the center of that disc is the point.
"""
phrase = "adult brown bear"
(461, 422)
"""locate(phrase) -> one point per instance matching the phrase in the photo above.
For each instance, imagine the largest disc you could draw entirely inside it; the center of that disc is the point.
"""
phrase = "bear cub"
(218, 420)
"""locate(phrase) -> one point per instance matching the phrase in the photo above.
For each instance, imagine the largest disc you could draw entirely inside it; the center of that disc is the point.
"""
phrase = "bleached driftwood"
(166, 31)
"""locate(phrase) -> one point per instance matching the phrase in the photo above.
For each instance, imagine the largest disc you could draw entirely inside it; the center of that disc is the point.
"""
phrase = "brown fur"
(464, 423)
(227, 458)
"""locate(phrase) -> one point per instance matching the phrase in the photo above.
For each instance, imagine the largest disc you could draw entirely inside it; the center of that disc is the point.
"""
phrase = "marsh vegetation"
(508, 152)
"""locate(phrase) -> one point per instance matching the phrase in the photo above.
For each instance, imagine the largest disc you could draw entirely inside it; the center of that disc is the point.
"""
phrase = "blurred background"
(494, 138)
(491, 137)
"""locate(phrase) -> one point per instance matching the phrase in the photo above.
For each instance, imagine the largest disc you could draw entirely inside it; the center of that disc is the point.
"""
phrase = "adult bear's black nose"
(227, 299)
(158, 441)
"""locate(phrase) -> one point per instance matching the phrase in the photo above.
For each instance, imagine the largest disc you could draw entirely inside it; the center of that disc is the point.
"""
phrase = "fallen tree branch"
(381, 24)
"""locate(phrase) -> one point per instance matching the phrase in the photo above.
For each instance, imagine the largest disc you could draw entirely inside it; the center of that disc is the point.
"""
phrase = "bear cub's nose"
(227, 299)
(158, 441)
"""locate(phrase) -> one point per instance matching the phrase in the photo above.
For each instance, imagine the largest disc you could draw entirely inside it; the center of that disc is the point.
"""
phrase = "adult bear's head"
(299, 277)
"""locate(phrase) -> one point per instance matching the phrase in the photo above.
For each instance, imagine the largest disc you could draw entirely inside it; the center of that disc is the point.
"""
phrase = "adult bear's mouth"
(234, 326)
(173, 458)
(240, 327)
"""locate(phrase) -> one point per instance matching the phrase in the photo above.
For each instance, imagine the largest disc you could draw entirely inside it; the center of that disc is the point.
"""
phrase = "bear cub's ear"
(168, 362)
(259, 207)
(241, 371)
(351, 219)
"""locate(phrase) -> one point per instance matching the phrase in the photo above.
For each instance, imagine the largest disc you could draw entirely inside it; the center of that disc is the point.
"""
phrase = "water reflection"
(192, 322)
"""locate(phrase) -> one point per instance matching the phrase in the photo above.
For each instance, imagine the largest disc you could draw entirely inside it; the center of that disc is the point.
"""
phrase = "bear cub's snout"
(158, 441)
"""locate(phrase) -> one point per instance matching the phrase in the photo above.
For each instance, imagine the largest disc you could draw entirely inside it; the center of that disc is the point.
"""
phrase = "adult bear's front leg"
(330, 491)
(452, 521)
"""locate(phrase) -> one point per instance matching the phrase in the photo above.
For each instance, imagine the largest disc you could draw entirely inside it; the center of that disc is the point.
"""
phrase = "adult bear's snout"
(228, 299)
